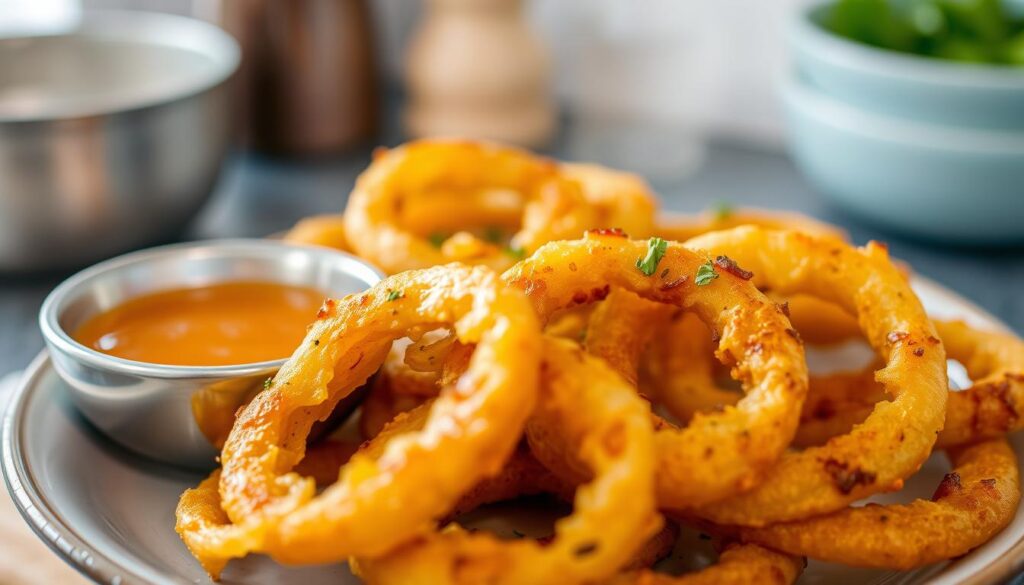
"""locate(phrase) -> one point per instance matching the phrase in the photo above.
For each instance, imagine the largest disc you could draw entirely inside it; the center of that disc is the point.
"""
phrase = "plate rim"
(57, 533)
(61, 538)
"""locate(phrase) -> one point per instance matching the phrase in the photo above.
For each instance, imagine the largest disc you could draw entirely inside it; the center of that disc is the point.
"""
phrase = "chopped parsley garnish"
(394, 295)
(705, 274)
(436, 239)
(656, 248)
(721, 210)
(267, 383)
(493, 234)
(516, 252)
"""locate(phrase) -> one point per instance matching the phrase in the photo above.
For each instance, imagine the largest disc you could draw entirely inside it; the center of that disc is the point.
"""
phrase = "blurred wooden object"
(307, 83)
(24, 559)
(475, 70)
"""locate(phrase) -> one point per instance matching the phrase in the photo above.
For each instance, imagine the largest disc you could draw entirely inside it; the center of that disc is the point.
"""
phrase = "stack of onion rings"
(492, 387)
(719, 454)
(614, 514)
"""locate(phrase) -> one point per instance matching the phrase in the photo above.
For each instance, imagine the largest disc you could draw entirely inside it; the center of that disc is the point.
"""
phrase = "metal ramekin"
(150, 408)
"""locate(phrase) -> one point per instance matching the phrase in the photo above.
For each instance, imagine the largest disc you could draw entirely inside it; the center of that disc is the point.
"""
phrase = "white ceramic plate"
(110, 514)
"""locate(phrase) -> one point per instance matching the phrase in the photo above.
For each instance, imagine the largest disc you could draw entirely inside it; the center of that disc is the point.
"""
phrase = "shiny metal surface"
(111, 135)
(150, 408)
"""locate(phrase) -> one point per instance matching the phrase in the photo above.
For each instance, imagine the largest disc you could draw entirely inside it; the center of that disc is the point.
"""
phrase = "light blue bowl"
(905, 85)
(940, 182)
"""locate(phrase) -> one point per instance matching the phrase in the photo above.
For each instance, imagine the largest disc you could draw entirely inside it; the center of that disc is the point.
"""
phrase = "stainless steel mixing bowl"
(112, 135)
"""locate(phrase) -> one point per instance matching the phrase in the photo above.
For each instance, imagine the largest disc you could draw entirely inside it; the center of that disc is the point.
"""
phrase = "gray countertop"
(259, 196)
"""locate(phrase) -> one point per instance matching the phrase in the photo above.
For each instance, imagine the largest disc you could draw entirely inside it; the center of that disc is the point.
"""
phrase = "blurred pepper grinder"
(307, 83)
(475, 70)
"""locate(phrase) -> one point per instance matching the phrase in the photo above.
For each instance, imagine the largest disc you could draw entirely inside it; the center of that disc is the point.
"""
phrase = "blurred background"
(669, 74)
(900, 120)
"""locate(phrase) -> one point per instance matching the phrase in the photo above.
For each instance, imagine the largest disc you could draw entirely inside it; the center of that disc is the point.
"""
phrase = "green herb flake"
(437, 239)
(656, 248)
(267, 383)
(721, 210)
(516, 252)
(705, 274)
(394, 295)
(493, 234)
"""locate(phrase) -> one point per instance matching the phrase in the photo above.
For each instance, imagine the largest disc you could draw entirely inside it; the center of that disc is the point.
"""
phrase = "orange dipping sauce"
(223, 324)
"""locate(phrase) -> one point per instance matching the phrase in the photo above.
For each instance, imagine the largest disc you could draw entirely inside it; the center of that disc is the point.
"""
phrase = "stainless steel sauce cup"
(174, 413)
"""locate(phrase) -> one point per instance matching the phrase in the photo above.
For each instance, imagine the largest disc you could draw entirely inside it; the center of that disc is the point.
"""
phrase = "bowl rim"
(806, 35)
(927, 135)
(61, 342)
(150, 28)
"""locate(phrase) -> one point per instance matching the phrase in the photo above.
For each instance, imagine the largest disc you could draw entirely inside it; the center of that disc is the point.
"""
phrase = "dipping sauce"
(223, 324)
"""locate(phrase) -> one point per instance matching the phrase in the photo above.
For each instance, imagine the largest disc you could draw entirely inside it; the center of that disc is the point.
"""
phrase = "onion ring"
(992, 407)
(215, 406)
(204, 527)
(620, 328)
(820, 322)
(738, 564)
(622, 200)
(427, 187)
(680, 374)
(522, 475)
(570, 323)
(323, 460)
(320, 230)
(720, 454)
(838, 402)
(473, 423)
(682, 227)
(898, 436)
(994, 404)
(409, 375)
(466, 178)
(972, 504)
(383, 403)
(614, 515)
